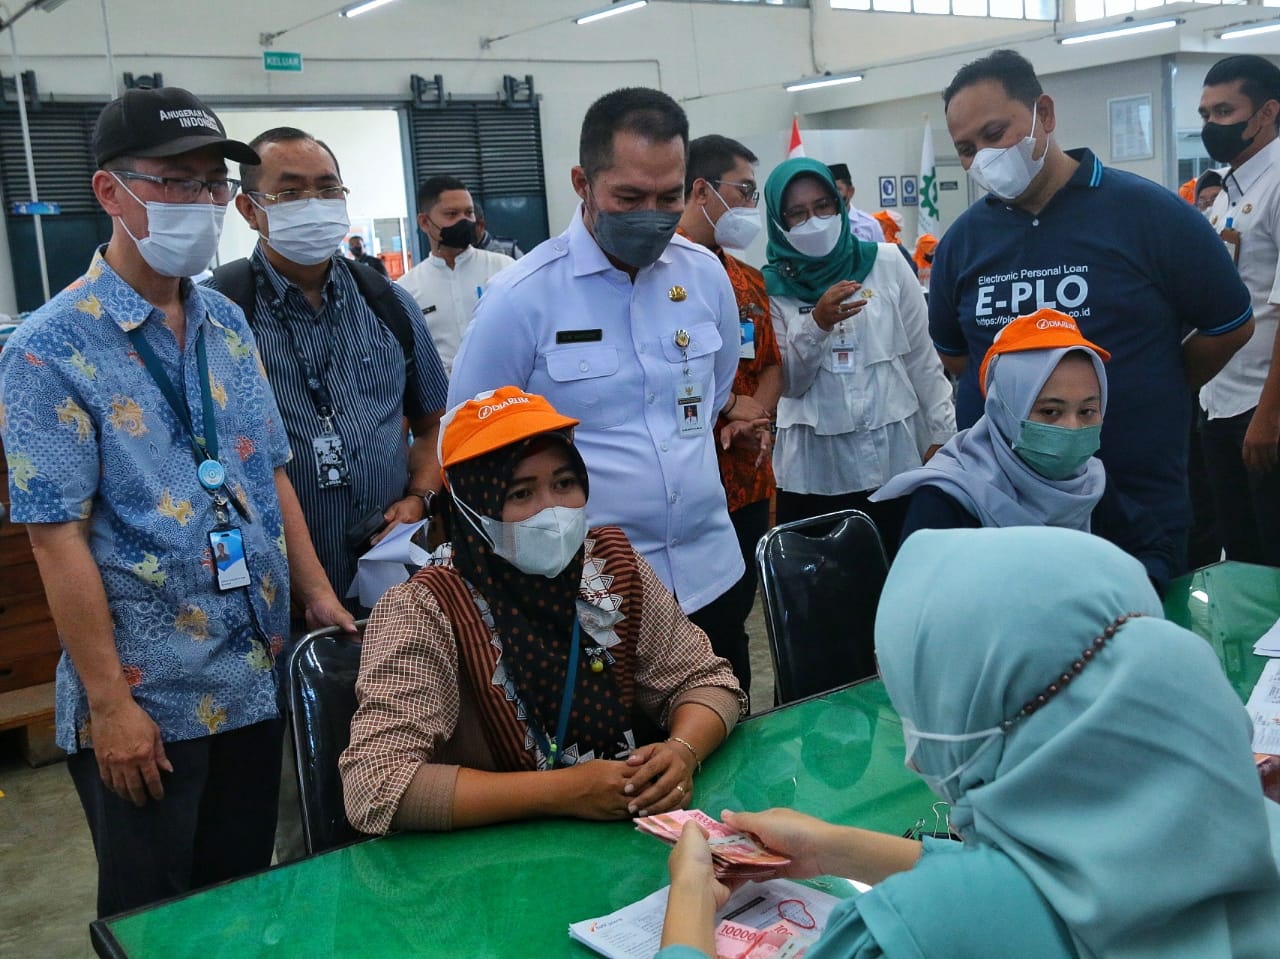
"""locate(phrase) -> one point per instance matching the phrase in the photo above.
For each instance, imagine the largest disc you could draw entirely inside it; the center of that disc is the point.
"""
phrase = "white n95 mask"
(541, 545)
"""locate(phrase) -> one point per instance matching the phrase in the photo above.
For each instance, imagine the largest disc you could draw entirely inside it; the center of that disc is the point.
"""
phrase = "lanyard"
(204, 449)
(552, 747)
(314, 379)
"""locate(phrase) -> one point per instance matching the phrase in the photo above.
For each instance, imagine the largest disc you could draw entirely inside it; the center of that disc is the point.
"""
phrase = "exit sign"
(277, 60)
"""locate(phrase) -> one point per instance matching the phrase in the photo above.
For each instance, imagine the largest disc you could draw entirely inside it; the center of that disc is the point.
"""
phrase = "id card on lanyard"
(691, 399)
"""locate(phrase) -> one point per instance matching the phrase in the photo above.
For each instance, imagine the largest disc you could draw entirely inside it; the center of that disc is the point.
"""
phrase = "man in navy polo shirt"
(1134, 264)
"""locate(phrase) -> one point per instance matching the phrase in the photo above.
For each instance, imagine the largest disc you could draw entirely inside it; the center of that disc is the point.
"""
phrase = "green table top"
(512, 890)
(1231, 605)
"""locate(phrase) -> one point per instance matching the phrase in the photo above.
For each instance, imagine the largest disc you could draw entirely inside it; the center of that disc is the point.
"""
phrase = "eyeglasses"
(293, 196)
(795, 216)
(748, 190)
(186, 189)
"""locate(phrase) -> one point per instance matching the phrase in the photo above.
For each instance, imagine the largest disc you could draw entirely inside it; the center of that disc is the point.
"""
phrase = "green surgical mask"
(1055, 452)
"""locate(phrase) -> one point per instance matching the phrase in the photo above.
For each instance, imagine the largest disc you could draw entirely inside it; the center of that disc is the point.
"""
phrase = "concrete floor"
(48, 879)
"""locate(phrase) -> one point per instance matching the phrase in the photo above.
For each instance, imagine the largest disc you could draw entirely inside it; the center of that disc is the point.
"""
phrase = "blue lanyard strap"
(552, 747)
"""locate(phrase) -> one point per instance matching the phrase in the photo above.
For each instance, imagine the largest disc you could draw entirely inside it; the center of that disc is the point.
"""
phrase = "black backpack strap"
(381, 297)
(234, 280)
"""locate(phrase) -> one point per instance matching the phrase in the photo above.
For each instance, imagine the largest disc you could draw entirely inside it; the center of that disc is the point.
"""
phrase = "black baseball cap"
(162, 123)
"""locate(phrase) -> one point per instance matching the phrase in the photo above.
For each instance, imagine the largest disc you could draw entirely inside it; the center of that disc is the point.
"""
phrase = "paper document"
(1264, 710)
(389, 563)
(1269, 644)
(777, 919)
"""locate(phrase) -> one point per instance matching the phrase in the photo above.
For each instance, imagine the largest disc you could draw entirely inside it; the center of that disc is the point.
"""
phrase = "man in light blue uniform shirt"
(627, 327)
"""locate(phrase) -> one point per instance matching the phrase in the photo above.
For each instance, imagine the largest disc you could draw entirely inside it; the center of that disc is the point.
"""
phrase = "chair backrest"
(322, 701)
(821, 580)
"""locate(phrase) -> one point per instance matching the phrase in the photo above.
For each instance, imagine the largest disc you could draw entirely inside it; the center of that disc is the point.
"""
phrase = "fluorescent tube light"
(610, 11)
(814, 83)
(356, 9)
(1124, 30)
(1235, 33)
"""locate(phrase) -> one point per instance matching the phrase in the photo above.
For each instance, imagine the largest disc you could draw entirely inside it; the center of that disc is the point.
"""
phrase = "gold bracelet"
(685, 743)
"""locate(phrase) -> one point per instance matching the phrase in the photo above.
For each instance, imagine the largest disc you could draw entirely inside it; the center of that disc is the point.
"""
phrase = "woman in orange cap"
(1029, 460)
(533, 667)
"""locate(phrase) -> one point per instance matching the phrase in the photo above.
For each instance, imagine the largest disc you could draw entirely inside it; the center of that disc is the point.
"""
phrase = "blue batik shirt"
(89, 435)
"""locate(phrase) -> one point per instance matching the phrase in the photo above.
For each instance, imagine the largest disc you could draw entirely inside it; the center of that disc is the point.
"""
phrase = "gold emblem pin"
(681, 339)
(677, 294)
(1248, 208)
(1213, 220)
(866, 294)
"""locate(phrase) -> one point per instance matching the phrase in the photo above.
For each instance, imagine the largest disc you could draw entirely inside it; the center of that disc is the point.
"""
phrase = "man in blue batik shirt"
(141, 433)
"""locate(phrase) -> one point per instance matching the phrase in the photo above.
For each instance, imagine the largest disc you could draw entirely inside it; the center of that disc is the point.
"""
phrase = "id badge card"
(331, 461)
(230, 570)
(747, 340)
(691, 407)
(842, 353)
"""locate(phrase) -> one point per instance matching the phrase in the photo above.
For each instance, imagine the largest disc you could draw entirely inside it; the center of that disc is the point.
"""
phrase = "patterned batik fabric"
(532, 618)
(89, 436)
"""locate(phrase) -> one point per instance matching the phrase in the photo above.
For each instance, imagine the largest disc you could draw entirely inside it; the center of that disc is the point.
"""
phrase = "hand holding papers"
(737, 855)
(386, 565)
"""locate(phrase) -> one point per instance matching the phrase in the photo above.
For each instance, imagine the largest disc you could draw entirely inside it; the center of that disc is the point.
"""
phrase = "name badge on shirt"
(747, 340)
(428, 310)
(842, 351)
(579, 336)
(691, 407)
(331, 461)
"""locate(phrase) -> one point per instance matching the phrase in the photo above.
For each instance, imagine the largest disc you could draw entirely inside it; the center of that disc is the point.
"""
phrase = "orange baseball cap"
(1042, 330)
(494, 419)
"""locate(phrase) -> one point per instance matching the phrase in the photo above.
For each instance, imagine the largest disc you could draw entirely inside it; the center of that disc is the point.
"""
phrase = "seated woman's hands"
(660, 779)
(831, 308)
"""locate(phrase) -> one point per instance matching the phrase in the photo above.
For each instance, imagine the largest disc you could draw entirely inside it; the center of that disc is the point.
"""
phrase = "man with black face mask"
(1240, 105)
(624, 325)
(453, 277)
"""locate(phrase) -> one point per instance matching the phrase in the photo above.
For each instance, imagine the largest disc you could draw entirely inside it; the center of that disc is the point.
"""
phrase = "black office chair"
(322, 700)
(821, 580)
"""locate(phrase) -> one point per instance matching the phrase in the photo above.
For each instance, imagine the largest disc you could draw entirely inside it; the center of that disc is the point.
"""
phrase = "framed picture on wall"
(1130, 124)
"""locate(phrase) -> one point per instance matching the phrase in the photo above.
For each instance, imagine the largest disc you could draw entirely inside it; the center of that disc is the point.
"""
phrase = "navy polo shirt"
(1139, 268)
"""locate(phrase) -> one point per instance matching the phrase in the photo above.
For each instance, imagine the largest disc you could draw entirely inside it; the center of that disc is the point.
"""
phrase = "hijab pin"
(677, 294)
(681, 339)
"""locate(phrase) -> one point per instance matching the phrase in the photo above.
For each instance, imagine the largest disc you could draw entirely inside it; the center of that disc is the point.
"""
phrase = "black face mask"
(1225, 141)
(357, 252)
(458, 236)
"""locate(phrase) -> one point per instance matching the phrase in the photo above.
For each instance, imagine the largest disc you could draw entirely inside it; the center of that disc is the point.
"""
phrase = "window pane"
(850, 4)
(933, 6)
(894, 6)
(1041, 9)
(1090, 10)
(1119, 6)
(1148, 4)
(969, 8)
(1007, 8)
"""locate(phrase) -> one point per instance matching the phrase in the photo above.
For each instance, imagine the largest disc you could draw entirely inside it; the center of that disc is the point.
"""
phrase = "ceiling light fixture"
(826, 80)
(1250, 30)
(1123, 30)
(356, 9)
(610, 11)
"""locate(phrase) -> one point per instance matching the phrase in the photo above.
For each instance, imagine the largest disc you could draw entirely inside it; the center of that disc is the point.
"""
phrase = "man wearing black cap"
(864, 225)
(144, 433)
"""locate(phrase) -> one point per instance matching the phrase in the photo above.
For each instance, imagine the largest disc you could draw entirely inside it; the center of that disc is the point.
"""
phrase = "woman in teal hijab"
(865, 397)
(1097, 761)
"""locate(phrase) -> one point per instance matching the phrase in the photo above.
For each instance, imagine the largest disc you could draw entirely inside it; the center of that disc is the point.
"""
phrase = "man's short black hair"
(431, 188)
(251, 176)
(1259, 78)
(1009, 68)
(647, 113)
(711, 157)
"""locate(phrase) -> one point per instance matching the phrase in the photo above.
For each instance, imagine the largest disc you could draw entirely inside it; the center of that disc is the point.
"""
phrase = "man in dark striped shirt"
(337, 367)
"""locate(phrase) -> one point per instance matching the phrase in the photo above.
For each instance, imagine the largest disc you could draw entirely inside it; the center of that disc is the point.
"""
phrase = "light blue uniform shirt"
(565, 323)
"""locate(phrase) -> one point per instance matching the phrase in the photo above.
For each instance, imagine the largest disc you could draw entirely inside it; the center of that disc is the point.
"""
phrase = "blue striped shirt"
(362, 365)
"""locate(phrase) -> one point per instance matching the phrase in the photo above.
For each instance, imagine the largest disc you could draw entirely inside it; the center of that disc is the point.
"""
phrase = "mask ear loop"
(472, 517)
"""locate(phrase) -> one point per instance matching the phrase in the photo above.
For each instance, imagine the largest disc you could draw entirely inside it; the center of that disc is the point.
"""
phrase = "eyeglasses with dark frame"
(795, 216)
(749, 191)
(338, 192)
(186, 189)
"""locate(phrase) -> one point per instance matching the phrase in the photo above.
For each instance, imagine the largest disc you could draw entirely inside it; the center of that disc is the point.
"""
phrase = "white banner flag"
(928, 219)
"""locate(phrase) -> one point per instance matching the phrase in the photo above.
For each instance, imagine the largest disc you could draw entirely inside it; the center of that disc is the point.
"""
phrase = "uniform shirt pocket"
(581, 380)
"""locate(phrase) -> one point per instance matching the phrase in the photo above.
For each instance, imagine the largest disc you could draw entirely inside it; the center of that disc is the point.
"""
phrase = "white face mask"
(945, 787)
(737, 227)
(181, 237)
(541, 545)
(1007, 172)
(308, 231)
(816, 236)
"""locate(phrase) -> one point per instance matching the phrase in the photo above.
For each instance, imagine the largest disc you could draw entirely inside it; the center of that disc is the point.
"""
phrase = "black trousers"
(1247, 503)
(888, 516)
(216, 821)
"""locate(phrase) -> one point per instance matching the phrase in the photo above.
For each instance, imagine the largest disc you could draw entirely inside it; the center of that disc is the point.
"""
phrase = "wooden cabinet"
(28, 641)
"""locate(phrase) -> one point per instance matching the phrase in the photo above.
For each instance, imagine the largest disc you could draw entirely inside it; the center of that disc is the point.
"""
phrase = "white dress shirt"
(566, 323)
(849, 432)
(1250, 197)
(448, 297)
(865, 227)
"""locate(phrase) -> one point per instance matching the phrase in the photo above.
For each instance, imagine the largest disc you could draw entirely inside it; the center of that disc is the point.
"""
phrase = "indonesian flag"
(796, 147)
(928, 217)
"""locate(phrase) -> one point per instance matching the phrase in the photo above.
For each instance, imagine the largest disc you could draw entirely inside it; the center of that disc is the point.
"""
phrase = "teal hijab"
(1130, 800)
(791, 273)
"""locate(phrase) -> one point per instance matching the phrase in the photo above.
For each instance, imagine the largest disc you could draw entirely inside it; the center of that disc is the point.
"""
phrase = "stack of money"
(736, 855)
